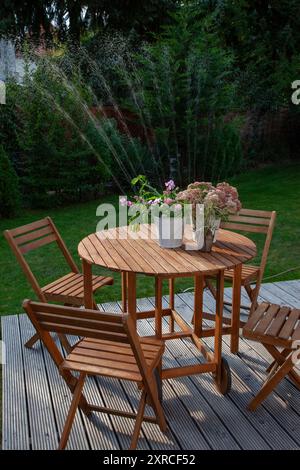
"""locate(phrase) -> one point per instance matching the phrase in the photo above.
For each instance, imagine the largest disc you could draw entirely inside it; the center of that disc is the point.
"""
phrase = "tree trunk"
(74, 10)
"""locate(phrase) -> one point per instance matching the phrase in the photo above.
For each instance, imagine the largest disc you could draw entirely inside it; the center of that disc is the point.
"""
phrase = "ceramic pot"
(169, 231)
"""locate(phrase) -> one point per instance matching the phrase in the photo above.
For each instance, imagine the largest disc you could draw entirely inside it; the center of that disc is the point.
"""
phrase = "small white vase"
(215, 228)
(169, 231)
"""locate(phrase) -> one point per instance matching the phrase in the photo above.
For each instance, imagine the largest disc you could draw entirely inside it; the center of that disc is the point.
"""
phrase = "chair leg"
(159, 413)
(270, 367)
(211, 287)
(280, 358)
(252, 294)
(72, 412)
(270, 384)
(65, 343)
(139, 420)
(31, 342)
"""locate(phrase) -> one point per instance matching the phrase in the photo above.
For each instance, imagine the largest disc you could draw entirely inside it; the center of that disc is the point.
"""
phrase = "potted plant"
(162, 208)
(209, 206)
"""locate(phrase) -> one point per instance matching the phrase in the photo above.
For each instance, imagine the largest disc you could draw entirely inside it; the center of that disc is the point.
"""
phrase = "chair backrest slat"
(29, 227)
(256, 213)
(250, 220)
(67, 328)
(31, 236)
(38, 243)
(244, 227)
(78, 322)
(89, 314)
(81, 322)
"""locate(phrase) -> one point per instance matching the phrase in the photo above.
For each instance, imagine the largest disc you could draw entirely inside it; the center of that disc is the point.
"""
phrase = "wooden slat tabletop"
(120, 249)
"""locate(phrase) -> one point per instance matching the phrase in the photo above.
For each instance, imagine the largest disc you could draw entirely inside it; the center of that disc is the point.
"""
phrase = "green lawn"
(269, 188)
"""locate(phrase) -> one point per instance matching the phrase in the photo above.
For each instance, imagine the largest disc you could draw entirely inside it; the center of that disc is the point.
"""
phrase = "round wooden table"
(133, 253)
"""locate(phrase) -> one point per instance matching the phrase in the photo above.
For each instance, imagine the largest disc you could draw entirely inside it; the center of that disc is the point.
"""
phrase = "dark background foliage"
(72, 18)
(184, 89)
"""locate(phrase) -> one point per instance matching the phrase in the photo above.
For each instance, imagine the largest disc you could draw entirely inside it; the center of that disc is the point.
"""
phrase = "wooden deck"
(36, 400)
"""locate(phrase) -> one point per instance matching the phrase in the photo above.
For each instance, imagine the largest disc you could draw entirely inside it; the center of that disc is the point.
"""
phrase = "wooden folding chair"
(248, 220)
(68, 289)
(278, 329)
(255, 221)
(110, 347)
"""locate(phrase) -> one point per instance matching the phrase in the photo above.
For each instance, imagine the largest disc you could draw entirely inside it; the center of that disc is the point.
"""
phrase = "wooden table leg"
(171, 303)
(219, 324)
(131, 295)
(198, 304)
(158, 307)
(236, 309)
(124, 291)
(88, 284)
(158, 316)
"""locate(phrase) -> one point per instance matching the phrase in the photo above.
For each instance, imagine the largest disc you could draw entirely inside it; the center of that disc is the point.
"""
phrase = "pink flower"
(213, 197)
(191, 196)
(201, 185)
(129, 203)
(156, 201)
(170, 185)
(123, 201)
(168, 201)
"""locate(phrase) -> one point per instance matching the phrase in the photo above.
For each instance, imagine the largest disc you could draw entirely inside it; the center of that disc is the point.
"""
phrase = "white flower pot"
(216, 227)
(169, 231)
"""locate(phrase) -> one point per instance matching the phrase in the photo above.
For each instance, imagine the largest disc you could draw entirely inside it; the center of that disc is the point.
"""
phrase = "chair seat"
(248, 273)
(112, 359)
(273, 324)
(69, 289)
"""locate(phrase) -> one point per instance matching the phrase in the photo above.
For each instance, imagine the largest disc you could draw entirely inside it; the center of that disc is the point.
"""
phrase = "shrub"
(62, 155)
(183, 86)
(9, 190)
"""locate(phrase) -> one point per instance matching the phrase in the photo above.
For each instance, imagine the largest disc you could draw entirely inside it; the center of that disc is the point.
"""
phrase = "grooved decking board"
(36, 399)
(290, 287)
(41, 418)
(284, 426)
(15, 426)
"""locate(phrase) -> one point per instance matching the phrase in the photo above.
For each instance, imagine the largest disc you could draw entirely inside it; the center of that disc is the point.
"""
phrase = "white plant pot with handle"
(200, 238)
(169, 231)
